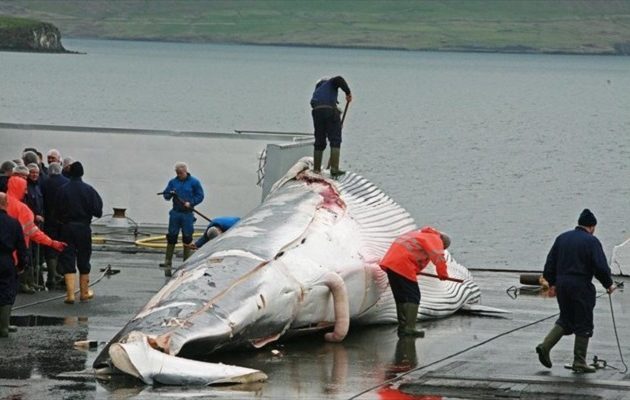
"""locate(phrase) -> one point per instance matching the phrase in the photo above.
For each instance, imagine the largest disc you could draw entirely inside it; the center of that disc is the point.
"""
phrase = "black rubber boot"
(335, 154)
(543, 349)
(5, 317)
(318, 155)
(408, 327)
(168, 260)
(579, 356)
(52, 276)
(187, 253)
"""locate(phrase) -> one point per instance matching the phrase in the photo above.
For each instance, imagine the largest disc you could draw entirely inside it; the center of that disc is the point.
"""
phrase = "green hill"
(548, 26)
(22, 34)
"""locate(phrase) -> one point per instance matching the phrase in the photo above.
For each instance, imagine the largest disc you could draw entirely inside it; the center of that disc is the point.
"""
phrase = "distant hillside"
(537, 26)
(21, 34)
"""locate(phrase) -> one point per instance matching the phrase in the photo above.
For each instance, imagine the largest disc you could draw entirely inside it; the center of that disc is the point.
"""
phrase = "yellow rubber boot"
(84, 284)
(69, 278)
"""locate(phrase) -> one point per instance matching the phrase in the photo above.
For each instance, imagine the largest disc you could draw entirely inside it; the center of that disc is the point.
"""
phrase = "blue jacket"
(577, 255)
(223, 223)
(188, 190)
(326, 91)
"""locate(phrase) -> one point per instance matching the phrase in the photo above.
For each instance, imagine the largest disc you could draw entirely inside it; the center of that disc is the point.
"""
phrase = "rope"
(399, 377)
(612, 313)
(106, 272)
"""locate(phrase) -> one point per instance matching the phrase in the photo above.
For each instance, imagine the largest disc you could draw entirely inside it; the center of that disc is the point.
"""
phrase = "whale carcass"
(306, 259)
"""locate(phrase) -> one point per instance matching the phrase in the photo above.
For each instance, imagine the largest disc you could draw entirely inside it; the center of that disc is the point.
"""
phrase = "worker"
(575, 257)
(16, 190)
(216, 227)
(13, 258)
(186, 192)
(76, 203)
(405, 259)
(327, 121)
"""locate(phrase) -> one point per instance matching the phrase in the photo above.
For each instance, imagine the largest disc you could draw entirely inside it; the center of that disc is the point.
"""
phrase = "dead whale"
(305, 260)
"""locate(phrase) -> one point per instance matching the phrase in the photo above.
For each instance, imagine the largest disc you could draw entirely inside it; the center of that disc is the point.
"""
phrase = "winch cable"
(402, 375)
(612, 314)
(106, 272)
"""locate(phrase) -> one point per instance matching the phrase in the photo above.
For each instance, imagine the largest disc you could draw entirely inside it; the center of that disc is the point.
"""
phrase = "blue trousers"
(179, 220)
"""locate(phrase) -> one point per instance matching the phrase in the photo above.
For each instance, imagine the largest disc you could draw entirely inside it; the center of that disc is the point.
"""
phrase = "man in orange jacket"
(16, 189)
(405, 259)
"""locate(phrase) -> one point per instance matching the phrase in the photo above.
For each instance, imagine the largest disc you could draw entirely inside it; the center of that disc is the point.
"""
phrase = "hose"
(399, 377)
(106, 272)
(612, 313)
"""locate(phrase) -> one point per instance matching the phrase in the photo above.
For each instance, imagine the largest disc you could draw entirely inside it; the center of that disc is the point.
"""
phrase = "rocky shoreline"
(41, 37)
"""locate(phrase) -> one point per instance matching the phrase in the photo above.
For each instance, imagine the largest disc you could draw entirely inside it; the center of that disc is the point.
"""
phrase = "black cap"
(76, 170)
(587, 218)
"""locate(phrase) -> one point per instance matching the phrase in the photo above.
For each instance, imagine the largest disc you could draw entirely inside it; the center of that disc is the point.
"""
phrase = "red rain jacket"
(411, 252)
(16, 188)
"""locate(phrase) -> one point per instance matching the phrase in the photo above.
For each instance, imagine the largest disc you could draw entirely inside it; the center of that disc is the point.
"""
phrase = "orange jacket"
(16, 188)
(411, 252)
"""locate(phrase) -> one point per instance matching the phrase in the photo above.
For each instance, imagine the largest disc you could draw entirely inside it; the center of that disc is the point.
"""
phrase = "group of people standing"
(53, 208)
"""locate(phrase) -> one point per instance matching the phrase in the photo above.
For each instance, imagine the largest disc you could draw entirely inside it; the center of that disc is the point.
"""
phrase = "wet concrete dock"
(40, 361)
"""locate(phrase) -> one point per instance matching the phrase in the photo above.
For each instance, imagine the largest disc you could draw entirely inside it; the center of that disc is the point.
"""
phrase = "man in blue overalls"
(186, 192)
(216, 227)
(327, 121)
(575, 257)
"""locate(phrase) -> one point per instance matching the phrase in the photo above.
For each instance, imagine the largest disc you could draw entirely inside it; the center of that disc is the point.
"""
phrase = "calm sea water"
(500, 151)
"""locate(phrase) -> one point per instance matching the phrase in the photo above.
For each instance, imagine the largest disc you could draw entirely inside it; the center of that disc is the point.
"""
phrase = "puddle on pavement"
(41, 320)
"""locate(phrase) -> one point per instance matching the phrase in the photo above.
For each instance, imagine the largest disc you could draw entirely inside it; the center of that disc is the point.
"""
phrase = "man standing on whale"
(327, 121)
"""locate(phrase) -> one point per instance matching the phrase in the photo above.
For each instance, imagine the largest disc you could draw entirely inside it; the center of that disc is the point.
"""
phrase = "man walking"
(186, 192)
(327, 121)
(75, 204)
(575, 257)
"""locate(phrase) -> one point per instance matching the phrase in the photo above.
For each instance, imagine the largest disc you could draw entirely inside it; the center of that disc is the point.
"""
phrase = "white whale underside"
(306, 258)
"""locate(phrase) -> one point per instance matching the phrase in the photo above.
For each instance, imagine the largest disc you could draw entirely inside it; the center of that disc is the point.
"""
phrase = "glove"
(58, 246)
(443, 277)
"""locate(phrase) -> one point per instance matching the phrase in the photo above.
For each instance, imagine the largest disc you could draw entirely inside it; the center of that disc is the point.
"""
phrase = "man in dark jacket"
(52, 227)
(11, 240)
(6, 170)
(327, 121)
(76, 204)
(575, 257)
